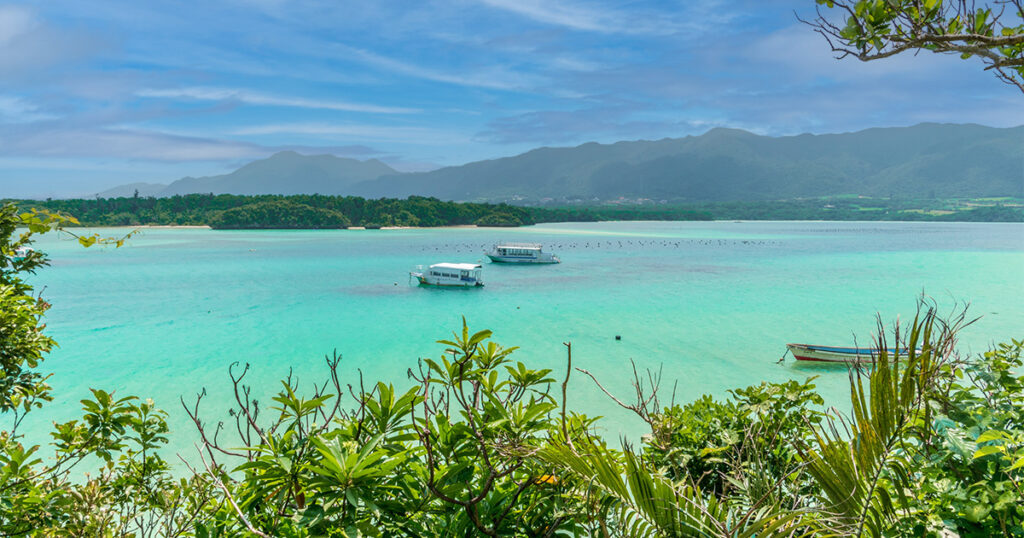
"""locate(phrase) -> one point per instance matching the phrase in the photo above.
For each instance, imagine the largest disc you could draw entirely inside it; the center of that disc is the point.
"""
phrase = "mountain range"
(941, 160)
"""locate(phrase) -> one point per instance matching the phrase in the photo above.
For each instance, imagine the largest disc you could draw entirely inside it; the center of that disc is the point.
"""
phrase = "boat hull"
(425, 282)
(841, 355)
(521, 259)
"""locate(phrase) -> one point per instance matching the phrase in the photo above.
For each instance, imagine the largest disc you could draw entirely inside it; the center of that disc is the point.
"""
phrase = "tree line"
(271, 211)
(229, 211)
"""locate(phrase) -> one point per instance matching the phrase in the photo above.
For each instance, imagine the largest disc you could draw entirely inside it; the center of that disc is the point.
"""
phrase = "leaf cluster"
(875, 29)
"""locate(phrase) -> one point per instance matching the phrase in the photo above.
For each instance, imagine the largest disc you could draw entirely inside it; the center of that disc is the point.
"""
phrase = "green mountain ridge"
(731, 164)
(723, 164)
(286, 172)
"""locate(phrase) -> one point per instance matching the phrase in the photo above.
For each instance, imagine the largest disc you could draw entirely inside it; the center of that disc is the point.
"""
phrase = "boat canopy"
(456, 266)
(525, 246)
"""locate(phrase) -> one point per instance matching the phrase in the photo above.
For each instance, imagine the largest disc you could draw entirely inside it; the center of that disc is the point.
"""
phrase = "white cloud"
(255, 98)
(28, 44)
(14, 21)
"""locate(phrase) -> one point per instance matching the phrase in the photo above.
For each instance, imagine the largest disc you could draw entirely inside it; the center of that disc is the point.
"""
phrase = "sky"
(106, 92)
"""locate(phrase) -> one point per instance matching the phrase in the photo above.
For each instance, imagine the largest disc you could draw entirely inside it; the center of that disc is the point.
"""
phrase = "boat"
(21, 253)
(463, 275)
(520, 253)
(811, 353)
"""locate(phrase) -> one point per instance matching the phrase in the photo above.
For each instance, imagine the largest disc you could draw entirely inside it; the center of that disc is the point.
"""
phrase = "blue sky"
(105, 92)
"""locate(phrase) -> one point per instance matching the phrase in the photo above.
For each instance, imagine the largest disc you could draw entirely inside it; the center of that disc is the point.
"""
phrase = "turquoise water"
(713, 304)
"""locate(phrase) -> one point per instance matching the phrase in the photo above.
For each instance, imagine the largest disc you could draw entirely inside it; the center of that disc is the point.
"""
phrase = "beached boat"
(520, 253)
(806, 352)
(450, 274)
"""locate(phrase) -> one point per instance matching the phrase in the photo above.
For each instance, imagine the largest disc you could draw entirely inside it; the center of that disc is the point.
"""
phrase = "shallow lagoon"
(713, 304)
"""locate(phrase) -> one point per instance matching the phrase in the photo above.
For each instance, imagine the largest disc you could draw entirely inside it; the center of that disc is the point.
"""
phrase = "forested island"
(227, 211)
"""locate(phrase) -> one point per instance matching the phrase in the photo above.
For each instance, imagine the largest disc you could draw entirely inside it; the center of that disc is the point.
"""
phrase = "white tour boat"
(450, 274)
(520, 253)
(21, 253)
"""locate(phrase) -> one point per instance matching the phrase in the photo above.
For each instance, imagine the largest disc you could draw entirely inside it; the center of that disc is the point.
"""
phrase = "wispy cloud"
(576, 17)
(420, 135)
(261, 99)
(121, 144)
(17, 110)
(593, 17)
(495, 77)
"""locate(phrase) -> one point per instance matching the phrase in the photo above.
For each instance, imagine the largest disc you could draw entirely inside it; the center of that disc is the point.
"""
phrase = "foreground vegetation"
(315, 211)
(481, 444)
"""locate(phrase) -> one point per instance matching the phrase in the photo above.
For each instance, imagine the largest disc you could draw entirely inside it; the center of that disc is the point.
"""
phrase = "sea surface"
(709, 305)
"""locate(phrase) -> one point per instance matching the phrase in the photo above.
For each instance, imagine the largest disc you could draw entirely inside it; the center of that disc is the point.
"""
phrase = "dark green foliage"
(972, 452)
(504, 220)
(267, 211)
(697, 440)
(734, 445)
(22, 342)
(278, 214)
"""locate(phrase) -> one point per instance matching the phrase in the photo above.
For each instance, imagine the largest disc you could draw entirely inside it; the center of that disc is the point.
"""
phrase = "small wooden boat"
(806, 352)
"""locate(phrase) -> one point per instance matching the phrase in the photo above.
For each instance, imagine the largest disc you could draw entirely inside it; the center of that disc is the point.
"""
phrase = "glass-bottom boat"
(520, 253)
(450, 274)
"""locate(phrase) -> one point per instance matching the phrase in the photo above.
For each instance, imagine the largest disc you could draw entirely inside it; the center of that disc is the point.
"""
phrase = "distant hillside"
(286, 172)
(923, 161)
(730, 164)
(129, 190)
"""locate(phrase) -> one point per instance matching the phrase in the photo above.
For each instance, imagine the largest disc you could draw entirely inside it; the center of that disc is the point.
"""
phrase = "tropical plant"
(865, 464)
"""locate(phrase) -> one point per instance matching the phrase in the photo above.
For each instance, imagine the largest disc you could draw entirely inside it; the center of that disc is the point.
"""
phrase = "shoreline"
(467, 226)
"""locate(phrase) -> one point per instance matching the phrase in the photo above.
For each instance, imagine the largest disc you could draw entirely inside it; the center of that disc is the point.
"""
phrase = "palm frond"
(644, 503)
(863, 465)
